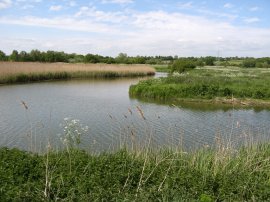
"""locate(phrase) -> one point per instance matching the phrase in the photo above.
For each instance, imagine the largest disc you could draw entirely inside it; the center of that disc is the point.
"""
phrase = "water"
(114, 119)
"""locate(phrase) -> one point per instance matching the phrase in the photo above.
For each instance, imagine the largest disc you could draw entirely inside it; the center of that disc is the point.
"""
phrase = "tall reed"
(22, 72)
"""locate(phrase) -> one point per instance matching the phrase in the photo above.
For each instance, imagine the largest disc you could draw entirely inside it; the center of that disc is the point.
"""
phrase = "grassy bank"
(208, 175)
(211, 84)
(161, 68)
(23, 72)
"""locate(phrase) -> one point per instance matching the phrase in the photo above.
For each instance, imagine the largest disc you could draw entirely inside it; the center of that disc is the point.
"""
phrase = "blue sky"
(137, 27)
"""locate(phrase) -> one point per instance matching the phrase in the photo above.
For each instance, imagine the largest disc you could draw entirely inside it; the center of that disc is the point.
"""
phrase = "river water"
(31, 115)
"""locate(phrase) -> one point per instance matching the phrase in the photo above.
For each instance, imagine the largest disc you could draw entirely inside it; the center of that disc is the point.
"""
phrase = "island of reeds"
(189, 81)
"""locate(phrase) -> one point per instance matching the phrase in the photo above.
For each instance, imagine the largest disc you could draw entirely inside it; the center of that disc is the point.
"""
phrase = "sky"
(137, 27)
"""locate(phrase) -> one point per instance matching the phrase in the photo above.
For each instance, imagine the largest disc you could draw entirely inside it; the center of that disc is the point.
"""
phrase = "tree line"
(123, 58)
(56, 56)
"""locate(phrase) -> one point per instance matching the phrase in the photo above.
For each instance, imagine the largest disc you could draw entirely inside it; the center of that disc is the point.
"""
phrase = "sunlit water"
(114, 119)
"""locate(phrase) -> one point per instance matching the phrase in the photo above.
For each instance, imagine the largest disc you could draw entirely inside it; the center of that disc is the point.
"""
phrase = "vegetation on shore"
(22, 72)
(219, 84)
(220, 174)
(162, 68)
(122, 58)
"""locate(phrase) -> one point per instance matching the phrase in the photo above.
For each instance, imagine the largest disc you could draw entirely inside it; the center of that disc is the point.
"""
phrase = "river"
(31, 117)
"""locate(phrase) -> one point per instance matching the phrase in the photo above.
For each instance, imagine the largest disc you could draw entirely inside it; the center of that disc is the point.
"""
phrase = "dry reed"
(11, 68)
(33, 71)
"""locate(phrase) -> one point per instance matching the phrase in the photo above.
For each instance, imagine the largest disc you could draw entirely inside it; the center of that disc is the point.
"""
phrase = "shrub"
(249, 63)
(182, 65)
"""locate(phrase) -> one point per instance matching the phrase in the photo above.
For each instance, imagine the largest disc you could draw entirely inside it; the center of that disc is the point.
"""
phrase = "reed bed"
(21, 72)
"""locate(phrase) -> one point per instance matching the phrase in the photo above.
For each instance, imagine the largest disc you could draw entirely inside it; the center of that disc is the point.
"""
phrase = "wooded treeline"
(123, 58)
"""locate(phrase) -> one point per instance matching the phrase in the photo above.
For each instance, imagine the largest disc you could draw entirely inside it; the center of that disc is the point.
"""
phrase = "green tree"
(14, 56)
(122, 58)
(249, 63)
(3, 56)
(209, 60)
(182, 65)
(24, 56)
(35, 56)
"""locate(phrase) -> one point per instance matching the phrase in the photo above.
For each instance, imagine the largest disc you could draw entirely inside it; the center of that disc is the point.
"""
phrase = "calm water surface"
(114, 119)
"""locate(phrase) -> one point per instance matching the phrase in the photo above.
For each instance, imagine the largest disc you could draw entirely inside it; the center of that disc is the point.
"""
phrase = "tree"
(182, 65)
(35, 55)
(122, 58)
(3, 56)
(90, 58)
(209, 60)
(23, 56)
(249, 63)
(14, 56)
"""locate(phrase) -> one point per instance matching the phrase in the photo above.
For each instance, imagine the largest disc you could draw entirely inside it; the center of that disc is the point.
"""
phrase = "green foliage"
(123, 58)
(205, 175)
(14, 56)
(46, 76)
(209, 60)
(162, 68)
(182, 65)
(205, 84)
(249, 63)
(3, 56)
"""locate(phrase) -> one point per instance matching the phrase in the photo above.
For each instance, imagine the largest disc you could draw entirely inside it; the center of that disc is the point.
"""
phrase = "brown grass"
(25, 72)
(13, 68)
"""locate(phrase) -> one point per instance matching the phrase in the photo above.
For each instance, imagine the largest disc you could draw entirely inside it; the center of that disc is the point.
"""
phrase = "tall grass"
(206, 175)
(21, 72)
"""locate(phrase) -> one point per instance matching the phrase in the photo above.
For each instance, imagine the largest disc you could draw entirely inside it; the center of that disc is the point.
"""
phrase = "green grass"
(209, 83)
(161, 68)
(206, 175)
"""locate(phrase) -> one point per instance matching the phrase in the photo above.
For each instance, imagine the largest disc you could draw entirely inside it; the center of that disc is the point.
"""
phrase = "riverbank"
(25, 72)
(235, 86)
(162, 68)
(218, 174)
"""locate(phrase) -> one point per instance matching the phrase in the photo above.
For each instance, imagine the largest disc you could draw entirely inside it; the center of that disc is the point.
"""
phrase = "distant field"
(21, 72)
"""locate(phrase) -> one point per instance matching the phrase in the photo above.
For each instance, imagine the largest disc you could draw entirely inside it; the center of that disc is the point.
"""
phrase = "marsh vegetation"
(22, 72)
(150, 162)
(244, 86)
(219, 174)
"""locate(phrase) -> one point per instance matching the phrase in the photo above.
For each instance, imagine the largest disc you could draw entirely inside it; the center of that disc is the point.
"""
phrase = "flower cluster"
(73, 130)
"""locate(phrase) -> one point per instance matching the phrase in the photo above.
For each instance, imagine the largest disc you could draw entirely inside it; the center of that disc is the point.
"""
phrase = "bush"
(209, 60)
(249, 63)
(182, 65)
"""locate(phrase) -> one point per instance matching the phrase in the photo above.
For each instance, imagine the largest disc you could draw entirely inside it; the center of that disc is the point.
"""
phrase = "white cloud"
(218, 14)
(65, 23)
(251, 20)
(228, 5)
(117, 1)
(5, 4)
(187, 5)
(55, 8)
(29, 1)
(101, 16)
(142, 33)
(255, 8)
